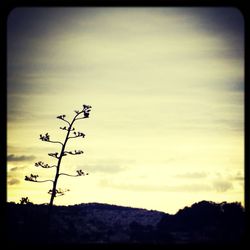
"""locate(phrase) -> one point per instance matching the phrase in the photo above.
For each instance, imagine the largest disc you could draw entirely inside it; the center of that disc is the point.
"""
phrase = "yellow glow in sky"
(166, 86)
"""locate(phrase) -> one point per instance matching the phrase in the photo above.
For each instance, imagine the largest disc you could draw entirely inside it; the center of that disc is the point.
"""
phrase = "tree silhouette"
(25, 200)
(70, 134)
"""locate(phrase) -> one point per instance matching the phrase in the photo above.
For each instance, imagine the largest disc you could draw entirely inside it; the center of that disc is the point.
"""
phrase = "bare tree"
(70, 134)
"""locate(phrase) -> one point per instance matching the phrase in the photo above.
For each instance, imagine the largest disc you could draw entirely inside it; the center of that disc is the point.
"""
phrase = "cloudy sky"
(166, 86)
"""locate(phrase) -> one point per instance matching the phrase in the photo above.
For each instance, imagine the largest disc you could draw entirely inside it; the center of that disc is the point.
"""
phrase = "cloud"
(156, 188)
(13, 181)
(105, 168)
(13, 157)
(222, 185)
(239, 178)
(16, 168)
(224, 22)
(192, 175)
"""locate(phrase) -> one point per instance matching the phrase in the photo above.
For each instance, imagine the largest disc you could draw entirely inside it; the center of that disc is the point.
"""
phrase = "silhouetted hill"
(203, 222)
(206, 222)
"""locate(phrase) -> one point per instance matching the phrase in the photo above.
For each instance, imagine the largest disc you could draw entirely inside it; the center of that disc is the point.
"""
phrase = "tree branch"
(58, 192)
(77, 152)
(55, 142)
(55, 155)
(43, 165)
(81, 118)
(67, 129)
(70, 175)
(33, 178)
(45, 181)
(62, 117)
(77, 134)
(65, 121)
(85, 111)
(79, 173)
(71, 137)
(46, 138)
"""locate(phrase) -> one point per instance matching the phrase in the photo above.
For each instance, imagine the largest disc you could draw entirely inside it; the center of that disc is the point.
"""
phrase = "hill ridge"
(202, 222)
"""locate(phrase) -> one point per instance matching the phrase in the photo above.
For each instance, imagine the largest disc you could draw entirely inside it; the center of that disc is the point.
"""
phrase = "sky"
(166, 86)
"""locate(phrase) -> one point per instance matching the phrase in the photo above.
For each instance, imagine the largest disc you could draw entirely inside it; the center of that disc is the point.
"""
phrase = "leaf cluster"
(86, 110)
(44, 137)
(81, 173)
(62, 117)
(53, 155)
(76, 152)
(32, 177)
(79, 134)
(58, 192)
(43, 165)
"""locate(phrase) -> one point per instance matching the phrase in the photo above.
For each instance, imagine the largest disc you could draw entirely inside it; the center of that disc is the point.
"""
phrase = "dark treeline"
(203, 223)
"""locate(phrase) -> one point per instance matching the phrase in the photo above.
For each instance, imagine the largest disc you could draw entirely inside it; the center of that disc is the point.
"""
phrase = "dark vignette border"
(6, 6)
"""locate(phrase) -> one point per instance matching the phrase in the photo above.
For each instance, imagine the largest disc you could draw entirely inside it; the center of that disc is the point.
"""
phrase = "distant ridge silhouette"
(98, 223)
